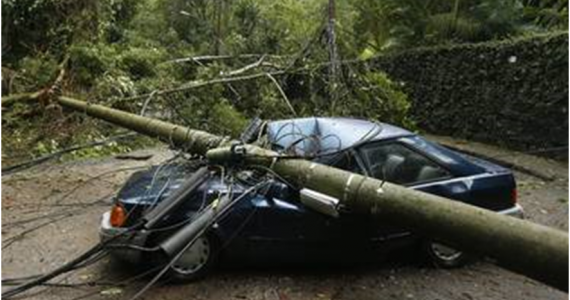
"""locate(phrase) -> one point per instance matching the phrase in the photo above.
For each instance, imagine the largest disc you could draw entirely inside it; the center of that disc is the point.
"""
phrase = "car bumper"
(107, 231)
(515, 211)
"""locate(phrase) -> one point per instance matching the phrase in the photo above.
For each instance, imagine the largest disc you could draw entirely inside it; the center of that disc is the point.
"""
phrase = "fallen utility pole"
(530, 249)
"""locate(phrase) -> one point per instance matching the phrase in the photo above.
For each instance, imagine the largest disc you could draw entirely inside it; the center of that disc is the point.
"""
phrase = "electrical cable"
(99, 251)
(124, 282)
(185, 248)
(372, 133)
(58, 217)
(262, 167)
(91, 256)
(67, 267)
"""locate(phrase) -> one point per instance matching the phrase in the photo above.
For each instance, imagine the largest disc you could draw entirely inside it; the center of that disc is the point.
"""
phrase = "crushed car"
(270, 220)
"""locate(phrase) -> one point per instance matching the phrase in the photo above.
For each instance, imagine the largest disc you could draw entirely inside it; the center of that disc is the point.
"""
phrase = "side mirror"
(322, 203)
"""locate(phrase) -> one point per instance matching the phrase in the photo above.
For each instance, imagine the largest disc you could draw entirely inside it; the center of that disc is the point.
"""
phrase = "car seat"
(429, 172)
(391, 166)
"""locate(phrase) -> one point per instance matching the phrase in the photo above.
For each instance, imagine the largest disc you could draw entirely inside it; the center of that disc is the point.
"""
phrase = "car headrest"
(428, 172)
(392, 163)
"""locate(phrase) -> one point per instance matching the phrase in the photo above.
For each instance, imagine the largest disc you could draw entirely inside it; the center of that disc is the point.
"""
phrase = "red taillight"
(118, 215)
(514, 196)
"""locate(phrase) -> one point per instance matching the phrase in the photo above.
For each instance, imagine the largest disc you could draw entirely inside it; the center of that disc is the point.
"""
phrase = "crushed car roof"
(320, 135)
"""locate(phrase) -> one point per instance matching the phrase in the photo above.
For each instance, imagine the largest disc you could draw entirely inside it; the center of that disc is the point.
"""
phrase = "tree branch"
(199, 84)
(282, 93)
(23, 97)
(245, 69)
(28, 164)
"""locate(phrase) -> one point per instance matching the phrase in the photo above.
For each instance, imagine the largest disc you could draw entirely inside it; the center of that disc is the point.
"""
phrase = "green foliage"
(111, 86)
(192, 20)
(124, 48)
(89, 61)
(140, 62)
(549, 14)
(399, 24)
(36, 73)
(228, 119)
(379, 98)
(30, 27)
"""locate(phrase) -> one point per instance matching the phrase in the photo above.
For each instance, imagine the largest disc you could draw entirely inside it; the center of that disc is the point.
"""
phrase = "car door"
(285, 226)
(347, 236)
(396, 162)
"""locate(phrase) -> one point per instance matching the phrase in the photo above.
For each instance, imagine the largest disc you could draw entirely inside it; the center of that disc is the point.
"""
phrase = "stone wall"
(510, 93)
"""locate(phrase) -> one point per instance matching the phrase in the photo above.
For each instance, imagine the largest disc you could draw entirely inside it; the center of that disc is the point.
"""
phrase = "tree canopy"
(273, 58)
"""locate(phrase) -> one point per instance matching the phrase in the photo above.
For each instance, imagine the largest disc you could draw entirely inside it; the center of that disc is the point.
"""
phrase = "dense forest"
(214, 64)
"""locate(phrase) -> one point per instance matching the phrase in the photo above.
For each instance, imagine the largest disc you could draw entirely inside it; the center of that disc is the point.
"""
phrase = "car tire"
(443, 256)
(197, 261)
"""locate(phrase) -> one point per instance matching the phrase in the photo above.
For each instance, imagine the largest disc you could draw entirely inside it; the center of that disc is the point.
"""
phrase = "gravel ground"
(76, 194)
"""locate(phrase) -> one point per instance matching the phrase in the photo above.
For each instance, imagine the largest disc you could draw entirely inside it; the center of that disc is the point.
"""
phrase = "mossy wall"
(510, 93)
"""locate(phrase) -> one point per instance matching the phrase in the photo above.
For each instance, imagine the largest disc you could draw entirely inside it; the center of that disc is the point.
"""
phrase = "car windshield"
(319, 136)
(399, 164)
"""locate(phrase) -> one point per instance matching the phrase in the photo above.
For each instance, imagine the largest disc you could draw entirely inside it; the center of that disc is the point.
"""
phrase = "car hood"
(153, 185)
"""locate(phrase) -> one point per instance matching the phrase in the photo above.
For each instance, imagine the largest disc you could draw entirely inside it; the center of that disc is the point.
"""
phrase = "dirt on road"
(51, 214)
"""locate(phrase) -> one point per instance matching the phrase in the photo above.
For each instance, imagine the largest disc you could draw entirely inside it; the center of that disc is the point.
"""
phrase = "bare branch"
(245, 69)
(282, 93)
(28, 164)
(205, 58)
(24, 97)
(199, 84)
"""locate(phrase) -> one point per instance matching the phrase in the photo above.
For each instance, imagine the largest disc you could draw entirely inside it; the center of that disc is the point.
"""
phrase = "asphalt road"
(51, 214)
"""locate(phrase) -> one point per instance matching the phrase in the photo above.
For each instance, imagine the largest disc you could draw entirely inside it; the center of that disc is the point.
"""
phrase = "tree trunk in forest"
(333, 54)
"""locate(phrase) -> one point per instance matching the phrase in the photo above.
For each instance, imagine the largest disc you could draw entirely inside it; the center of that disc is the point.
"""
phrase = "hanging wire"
(190, 243)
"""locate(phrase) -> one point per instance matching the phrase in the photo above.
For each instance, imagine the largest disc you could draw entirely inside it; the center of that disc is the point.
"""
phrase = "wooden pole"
(195, 141)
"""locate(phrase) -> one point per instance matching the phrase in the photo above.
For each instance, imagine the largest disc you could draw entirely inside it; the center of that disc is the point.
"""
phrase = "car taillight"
(514, 196)
(118, 215)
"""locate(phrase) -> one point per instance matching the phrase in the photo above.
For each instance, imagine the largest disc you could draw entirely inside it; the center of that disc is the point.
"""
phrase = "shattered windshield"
(309, 137)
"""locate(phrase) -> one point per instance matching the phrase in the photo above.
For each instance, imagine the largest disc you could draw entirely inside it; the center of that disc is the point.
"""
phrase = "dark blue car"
(272, 225)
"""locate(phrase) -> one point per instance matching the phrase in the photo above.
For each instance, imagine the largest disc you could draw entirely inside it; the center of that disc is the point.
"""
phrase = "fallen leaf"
(112, 291)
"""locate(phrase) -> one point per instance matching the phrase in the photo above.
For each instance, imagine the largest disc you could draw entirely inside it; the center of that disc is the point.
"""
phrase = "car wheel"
(443, 256)
(196, 261)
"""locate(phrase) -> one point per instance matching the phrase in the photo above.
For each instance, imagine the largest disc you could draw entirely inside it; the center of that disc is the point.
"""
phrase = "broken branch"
(220, 57)
(199, 84)
(28, 164)
(245, 69)
(282, 93)
(24, 97)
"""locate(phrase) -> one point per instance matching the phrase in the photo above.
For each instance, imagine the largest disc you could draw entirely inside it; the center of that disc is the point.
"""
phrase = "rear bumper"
(138, 238)
(515, 211)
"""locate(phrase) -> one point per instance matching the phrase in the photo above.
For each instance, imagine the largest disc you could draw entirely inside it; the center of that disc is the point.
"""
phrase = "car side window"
(398, 164)
(347, 162)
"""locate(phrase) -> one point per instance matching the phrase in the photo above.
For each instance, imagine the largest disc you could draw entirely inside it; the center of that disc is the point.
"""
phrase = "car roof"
(331, 134)
(348, 132)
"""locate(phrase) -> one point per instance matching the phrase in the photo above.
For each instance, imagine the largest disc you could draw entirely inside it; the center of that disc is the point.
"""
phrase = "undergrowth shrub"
(90, 61)
(35, 73)
(140, 62)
